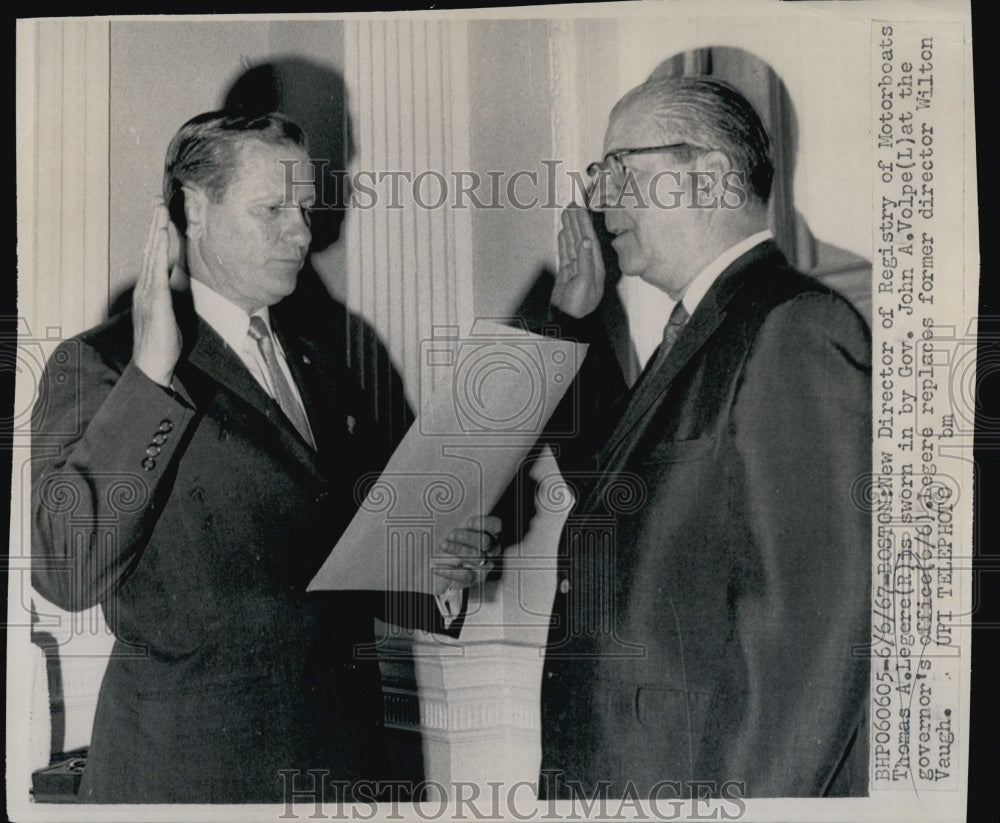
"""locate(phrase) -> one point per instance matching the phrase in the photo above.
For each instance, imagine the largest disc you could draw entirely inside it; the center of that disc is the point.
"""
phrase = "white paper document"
(484, 401)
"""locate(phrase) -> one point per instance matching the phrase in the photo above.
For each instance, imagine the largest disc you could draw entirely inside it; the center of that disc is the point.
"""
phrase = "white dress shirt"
(699, 287)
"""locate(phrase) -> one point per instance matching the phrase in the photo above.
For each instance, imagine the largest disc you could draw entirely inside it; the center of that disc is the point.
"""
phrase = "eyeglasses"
(614, 164)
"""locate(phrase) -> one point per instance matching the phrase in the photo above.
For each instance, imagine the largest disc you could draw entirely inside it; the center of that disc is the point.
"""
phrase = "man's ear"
(195, 207)
(716, 163)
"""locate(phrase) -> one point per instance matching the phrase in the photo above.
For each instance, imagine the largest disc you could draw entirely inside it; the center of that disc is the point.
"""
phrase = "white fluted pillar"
(62, 217)
(409, 268)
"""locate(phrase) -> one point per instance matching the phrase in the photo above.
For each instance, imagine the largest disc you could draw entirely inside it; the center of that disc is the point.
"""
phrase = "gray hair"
(710, 114)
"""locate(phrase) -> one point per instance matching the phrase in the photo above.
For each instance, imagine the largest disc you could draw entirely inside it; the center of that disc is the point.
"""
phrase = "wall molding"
(63, 107)
(409, 269)
(490, 685)
(564, 100)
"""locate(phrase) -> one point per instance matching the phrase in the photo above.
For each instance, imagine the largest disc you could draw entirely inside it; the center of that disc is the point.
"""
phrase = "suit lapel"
(216, 360)
(651, 390)
(209, 357)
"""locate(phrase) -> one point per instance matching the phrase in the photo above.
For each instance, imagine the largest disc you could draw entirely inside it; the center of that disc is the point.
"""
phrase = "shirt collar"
(230, 321)
(698, 287)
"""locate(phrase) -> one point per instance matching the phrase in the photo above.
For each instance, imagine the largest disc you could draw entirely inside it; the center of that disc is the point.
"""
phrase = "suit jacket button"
(564, 586)
(148, 463)
(166, 426)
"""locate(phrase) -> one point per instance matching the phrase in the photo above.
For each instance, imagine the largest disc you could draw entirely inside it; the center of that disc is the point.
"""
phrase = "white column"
(62, 217)
(569, 143)
(409, 269)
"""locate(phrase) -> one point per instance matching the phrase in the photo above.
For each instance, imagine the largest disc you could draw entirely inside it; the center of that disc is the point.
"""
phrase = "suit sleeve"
(586, 414)
(802, 428)
(103, 442)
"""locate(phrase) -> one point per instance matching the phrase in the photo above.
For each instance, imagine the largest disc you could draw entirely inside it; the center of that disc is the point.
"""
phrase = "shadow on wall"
(839, 268)
(315, 97)
(843, 270)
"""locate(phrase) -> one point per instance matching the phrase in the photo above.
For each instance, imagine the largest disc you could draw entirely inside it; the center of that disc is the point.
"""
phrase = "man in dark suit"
(215, 464)
(711, 622)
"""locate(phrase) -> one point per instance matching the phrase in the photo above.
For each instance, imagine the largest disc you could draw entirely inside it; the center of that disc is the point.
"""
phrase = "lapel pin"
(305, 359)
(350, 424)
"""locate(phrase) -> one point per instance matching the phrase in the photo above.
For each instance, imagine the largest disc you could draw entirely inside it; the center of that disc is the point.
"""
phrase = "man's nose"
(297, 229)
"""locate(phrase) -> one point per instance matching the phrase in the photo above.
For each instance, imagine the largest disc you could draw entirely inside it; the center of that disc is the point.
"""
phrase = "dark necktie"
(678, 317)
(282, 390)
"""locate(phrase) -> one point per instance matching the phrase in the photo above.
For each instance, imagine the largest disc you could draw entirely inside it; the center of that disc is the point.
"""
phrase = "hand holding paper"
(466, 554)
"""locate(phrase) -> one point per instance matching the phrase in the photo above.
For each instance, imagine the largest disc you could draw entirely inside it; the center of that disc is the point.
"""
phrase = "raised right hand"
(580, 281)
(157, 336)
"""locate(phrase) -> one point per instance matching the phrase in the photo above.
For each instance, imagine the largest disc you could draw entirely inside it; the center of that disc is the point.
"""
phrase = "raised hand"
(157, 336)
(580, 280)
(468, 552)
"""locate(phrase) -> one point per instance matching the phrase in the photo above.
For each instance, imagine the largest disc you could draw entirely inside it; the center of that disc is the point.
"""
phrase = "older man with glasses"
(711, 618)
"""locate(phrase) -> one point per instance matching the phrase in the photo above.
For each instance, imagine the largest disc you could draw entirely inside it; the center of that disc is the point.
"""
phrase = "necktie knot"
(258, 328)
(675, 325)
(678, 318)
